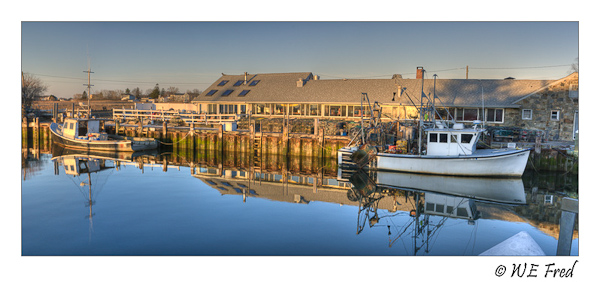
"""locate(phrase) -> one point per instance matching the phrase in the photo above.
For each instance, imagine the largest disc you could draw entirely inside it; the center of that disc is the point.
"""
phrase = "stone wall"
(555, 97)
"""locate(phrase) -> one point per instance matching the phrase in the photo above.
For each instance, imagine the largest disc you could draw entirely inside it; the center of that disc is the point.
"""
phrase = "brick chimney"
(300, 82)
(420, 72)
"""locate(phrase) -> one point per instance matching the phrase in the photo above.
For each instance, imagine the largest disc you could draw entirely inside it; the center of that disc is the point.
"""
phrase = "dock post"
(164, 131)
(285, 138)
(321, 143)
(220, 138)
(36, 132)
(568, 216)
(24, 130)
(117, 125)
(140, 128)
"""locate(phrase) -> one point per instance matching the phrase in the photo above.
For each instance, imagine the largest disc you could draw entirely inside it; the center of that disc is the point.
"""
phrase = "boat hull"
(495, 163)
(125, 145)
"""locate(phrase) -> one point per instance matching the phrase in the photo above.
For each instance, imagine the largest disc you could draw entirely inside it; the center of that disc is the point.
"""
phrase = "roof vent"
(315, 77)
(509, 78)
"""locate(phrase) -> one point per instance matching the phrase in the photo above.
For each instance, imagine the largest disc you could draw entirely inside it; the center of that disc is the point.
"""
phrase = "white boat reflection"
(499, 190)
(429, 200)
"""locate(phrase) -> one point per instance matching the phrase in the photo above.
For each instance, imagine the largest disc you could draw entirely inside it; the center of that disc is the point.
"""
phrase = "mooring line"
(165, 143)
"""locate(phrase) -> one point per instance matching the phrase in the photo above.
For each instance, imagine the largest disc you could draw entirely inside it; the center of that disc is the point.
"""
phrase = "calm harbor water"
(78, 204)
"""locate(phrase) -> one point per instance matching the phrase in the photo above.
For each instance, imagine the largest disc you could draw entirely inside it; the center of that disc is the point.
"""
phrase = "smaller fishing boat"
(86, 134)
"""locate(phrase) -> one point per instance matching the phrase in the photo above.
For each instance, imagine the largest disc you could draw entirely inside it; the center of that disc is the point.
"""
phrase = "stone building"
(548, 106)
(554, 109)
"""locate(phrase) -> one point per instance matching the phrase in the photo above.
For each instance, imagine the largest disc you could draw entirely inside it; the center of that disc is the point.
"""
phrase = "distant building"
(127, 97)
(545, 105)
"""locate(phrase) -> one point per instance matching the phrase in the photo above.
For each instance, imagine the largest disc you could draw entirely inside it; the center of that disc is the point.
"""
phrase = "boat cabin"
(83, 129)
(454, 141)
(76, 166)
(450, 206)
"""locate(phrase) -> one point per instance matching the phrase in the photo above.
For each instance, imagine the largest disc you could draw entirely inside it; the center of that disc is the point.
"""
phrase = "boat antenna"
(89, 110)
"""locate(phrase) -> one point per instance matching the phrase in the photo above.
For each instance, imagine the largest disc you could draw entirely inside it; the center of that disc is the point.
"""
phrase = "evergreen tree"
(155, 93)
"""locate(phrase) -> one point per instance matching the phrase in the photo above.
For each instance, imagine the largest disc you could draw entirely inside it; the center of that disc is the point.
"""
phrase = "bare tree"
(172, 90)
(575, 65)
(31, 89)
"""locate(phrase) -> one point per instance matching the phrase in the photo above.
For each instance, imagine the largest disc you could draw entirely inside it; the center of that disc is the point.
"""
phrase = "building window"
(212, 109)
(238, 83)
(467, 114)
(355, 111)
(335, 111)
(314, 110)
(279, 109)
(261, 109)
(226, 93)
(527, 114)
(495, 115)
(296, 109)
(210, 93)
(555, 115)
(254, 82)
(223, 82)
(244, 92)
(242, 109)
(228, 109)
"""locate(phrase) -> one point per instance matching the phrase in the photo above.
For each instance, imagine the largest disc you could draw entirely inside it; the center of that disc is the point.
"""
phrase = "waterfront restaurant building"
(550, 105)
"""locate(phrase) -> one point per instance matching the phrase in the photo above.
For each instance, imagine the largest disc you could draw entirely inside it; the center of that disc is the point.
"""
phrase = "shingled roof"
(468, 92)
(286, 88)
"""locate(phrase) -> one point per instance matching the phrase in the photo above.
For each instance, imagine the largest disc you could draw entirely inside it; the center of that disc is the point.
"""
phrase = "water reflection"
(429, 200)
(410, 214)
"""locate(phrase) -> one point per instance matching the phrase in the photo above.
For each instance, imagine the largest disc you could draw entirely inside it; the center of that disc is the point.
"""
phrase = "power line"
(513, 68)
(121, 81)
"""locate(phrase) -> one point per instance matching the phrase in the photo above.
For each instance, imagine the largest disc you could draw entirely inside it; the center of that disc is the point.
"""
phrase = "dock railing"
(162, 115)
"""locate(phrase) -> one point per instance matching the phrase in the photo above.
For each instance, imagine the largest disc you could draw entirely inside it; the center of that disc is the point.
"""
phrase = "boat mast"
(421, 109)
(433, 100)
(482, 107)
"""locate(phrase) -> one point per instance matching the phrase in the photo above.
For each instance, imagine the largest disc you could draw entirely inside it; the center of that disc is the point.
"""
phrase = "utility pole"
(467, 72)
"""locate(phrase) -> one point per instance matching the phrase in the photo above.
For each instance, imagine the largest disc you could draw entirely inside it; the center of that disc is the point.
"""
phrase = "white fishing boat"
(449, 151)
(85, 134)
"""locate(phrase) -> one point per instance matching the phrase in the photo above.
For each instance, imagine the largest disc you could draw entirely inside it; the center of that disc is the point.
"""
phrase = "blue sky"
(191, 55)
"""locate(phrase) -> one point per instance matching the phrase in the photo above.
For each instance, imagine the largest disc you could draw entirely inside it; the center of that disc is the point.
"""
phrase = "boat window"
(429, 206)
(462, 212)
(433, 137)
(466, 138)
(443, 137)
(439, 208)
(454, 138)
(449, 209)
(71, 125)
